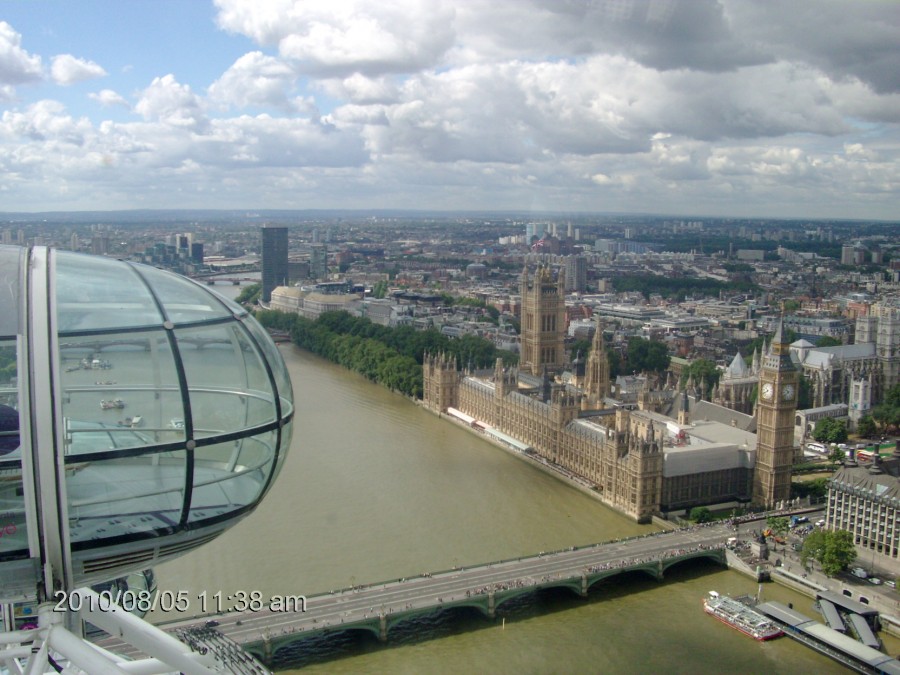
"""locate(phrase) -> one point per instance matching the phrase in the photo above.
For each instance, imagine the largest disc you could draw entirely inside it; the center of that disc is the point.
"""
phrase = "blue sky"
(719, 107)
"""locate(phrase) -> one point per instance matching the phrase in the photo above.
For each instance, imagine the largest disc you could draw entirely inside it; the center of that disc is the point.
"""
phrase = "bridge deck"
(376, 607)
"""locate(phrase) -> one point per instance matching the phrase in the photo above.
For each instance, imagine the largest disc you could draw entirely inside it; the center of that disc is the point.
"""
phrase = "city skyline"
(715, 108)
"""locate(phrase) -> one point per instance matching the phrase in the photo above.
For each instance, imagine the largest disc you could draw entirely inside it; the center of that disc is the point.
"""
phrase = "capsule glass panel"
(125, 496)
(231, 475)
(116, 381)
(228, 383)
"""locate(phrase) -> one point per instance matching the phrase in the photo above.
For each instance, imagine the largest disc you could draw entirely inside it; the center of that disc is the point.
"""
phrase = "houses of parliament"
(666, 453)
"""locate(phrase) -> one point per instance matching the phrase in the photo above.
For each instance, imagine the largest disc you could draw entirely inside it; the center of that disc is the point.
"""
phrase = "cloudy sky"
(706, 107)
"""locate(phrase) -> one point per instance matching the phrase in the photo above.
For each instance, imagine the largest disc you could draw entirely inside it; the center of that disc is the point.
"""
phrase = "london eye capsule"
(86, 498)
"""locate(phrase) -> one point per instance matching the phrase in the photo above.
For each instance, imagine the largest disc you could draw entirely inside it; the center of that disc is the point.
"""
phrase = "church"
(638, 460)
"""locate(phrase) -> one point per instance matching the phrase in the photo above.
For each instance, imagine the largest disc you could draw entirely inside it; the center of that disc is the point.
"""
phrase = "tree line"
(389, 356)
(679, 287)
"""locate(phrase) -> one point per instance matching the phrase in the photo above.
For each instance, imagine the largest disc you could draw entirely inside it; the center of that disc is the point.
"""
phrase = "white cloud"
(328, 38)
(173, 104)
(108, 98)
(717, 106)
(255, 80)
(16, 65)
(66, 70)
(362, 90)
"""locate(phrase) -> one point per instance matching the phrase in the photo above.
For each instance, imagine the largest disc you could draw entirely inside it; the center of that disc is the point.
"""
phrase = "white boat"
(740, 616)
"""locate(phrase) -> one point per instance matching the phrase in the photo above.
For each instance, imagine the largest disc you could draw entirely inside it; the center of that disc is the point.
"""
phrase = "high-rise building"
(778, 386)
(197, 252)
(274, 259)
(318, 261)
(576, 273)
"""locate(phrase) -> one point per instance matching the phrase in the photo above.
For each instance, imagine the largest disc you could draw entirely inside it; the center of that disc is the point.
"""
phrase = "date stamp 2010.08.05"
(181, 602)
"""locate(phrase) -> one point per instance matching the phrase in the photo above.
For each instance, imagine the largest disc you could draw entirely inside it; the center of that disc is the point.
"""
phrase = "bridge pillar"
(267, 650)
(492, 611)
(659, 571)
(584, 585)
(382, 628)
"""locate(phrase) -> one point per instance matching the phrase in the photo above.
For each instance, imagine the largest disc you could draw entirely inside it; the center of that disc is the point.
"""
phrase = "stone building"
(543, 321)
(865, 501)
(639, 461)
(874, 359)
(735, 388)
(778, 389)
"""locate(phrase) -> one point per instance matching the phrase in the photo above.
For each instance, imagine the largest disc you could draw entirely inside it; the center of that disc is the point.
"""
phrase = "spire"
(779, 331)
(684, 414)
(598, 342)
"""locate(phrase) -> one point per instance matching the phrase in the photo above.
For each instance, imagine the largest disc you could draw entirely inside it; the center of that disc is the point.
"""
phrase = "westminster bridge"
(377, 608)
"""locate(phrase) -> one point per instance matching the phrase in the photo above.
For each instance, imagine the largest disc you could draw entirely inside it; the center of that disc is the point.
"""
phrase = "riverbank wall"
(809, 587)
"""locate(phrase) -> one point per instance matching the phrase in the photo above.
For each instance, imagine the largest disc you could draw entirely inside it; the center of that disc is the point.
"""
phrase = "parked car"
(859, 572)
(875, 580)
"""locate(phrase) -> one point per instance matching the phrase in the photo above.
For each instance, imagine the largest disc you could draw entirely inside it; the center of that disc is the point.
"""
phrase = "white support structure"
(51, 645)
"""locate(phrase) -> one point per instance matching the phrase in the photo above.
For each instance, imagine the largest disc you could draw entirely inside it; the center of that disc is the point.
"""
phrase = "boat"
(741, 616)
(112, 405)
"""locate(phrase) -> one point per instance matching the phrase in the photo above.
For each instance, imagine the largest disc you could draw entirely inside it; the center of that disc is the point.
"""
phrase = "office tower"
(274, 259)
(576, 273)
(318, 261)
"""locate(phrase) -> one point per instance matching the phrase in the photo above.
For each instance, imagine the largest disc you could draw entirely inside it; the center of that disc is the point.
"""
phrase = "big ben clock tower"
(778, 385)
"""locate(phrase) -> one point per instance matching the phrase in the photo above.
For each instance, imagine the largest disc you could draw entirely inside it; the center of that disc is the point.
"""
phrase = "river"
(375, 488)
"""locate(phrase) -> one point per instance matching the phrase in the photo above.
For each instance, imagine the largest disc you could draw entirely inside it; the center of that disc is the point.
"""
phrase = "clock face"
(767, 391)
(787, 392)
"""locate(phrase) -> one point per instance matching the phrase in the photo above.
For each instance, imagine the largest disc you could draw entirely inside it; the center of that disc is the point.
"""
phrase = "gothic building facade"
(871, 364)
(543, 321)
(734, 389)
(778, 388)
(637, 460)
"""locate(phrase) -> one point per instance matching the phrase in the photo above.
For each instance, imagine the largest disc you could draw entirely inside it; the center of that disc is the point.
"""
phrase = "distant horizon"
(704, 109)
(252, 214)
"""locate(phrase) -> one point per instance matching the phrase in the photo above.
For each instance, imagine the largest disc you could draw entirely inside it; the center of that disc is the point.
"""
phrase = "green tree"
(833, 550)
(815, 489)
(866, 427)
(702, 370)
(813, 547)
(778, 524)
(830, 430)
(700, 514)
(379, 290)
(646, 355)
(249, 294)
(836, 456)
(888, 413)
(791, 305)
(615, 362)
(804, 394)
(582, 347)
(828, 341)
(839, 552)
